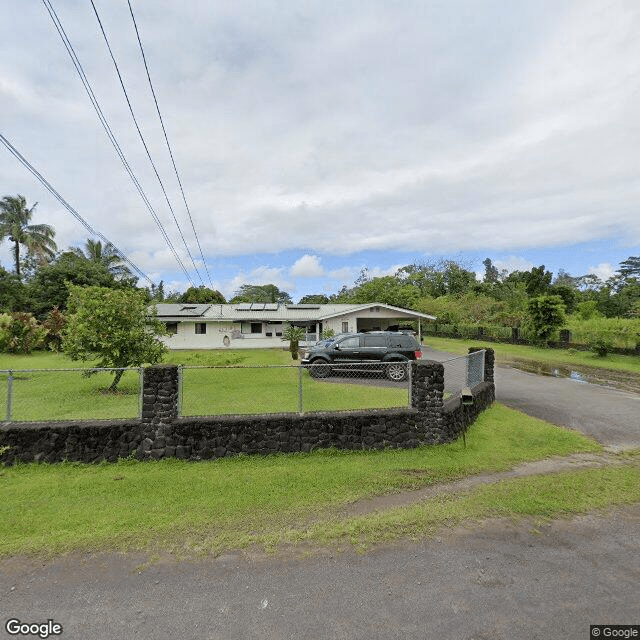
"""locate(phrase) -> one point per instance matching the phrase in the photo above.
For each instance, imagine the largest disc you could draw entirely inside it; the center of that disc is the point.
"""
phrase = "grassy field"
(241, 386)
(191, 508)
(509, 352)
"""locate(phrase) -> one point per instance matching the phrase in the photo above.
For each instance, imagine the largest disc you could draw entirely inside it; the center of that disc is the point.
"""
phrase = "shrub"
(601, 346)
(20, 333)
(54, 323)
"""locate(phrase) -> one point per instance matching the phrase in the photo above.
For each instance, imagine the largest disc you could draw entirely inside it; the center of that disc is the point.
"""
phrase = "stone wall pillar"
(160, 394)
(427, 397)
(159, 410)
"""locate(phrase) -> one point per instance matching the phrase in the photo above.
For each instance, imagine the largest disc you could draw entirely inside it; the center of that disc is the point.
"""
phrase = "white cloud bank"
(427, 127)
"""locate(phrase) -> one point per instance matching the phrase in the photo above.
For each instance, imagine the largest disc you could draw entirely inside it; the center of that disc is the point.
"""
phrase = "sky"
(317, 138)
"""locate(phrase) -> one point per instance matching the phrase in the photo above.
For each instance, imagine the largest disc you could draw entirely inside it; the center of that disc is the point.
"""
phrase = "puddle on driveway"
(623, 380)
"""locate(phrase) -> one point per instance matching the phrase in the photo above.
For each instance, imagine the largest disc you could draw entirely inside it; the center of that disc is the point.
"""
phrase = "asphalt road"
(499, 581)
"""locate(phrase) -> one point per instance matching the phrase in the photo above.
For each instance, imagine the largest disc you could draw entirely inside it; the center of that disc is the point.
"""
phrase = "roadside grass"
(544, 497)
(509, 352)
(207, 507)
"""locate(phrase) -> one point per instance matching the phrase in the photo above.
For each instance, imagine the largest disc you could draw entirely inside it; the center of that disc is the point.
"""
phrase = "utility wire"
(166, 137)
(105, 124)
(69, 208)
(144, 143)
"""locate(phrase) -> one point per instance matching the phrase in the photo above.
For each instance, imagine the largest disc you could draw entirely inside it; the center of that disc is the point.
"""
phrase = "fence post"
(300, 409)
(9, 395)
(141, 403)
(180, 389)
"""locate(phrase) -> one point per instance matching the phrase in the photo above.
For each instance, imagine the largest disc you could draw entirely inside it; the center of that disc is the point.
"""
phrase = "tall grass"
(623, 333)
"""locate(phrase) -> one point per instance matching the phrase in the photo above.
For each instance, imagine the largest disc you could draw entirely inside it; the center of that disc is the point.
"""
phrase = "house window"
(256, 327)
(171, 327)
(201, 327)
(345, 327)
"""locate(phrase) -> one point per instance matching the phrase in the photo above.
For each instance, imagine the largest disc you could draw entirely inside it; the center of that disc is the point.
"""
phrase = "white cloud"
(259, 275)
(603, 271)
(307, 267)
(379, 127)
(512, 263)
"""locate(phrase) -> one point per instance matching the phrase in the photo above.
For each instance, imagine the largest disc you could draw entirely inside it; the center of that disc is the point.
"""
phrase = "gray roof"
(275, 312)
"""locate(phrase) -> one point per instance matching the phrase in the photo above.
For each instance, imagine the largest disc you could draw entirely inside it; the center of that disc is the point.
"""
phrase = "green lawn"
(64, 395)
(240, 384)
(188, 508)
(509, 352)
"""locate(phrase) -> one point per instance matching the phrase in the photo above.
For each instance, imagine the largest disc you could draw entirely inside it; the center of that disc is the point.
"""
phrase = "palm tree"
(106, 255)
(14, 225)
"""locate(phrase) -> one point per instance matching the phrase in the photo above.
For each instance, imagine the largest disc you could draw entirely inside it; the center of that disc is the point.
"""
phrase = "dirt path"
(540, 467)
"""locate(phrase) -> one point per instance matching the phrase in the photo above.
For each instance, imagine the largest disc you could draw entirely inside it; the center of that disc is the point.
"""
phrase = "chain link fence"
(47, 395)
(247, 390)
(43, 395)
(463, 372)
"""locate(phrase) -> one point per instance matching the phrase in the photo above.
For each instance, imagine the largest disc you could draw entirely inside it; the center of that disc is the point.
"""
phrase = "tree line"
(35, 294)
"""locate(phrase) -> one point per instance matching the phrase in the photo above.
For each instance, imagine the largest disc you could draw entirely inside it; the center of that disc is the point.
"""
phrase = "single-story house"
(258, 324)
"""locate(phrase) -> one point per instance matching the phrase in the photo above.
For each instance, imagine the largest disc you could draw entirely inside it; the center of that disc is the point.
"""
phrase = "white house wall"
(214, 338)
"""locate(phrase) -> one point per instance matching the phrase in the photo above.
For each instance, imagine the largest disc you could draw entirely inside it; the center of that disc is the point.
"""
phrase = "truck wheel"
(396, 371)
(319, 370)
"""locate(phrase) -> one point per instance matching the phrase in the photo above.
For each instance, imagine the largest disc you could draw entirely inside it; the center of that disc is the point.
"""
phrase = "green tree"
(202, 295)
(546, 316)
(261, 293)
(319, 298)
(387, 289)
(630, 267)
(112, 326)
(491, 274)
(14, 225)
(12, 292)
(49, 288)
(568, 294)
(106, 255)
(435, 279)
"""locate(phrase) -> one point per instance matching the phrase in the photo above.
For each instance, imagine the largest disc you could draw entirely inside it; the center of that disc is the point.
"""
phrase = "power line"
(164, 131)
(105, 124)
(144, 143)
(69, 208)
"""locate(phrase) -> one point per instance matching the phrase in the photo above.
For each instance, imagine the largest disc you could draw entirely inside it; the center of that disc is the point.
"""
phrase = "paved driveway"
(610, 416)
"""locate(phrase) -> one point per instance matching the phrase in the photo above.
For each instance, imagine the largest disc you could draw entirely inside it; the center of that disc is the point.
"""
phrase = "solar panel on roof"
(245, 306)
(257, 306)
(271, 307)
